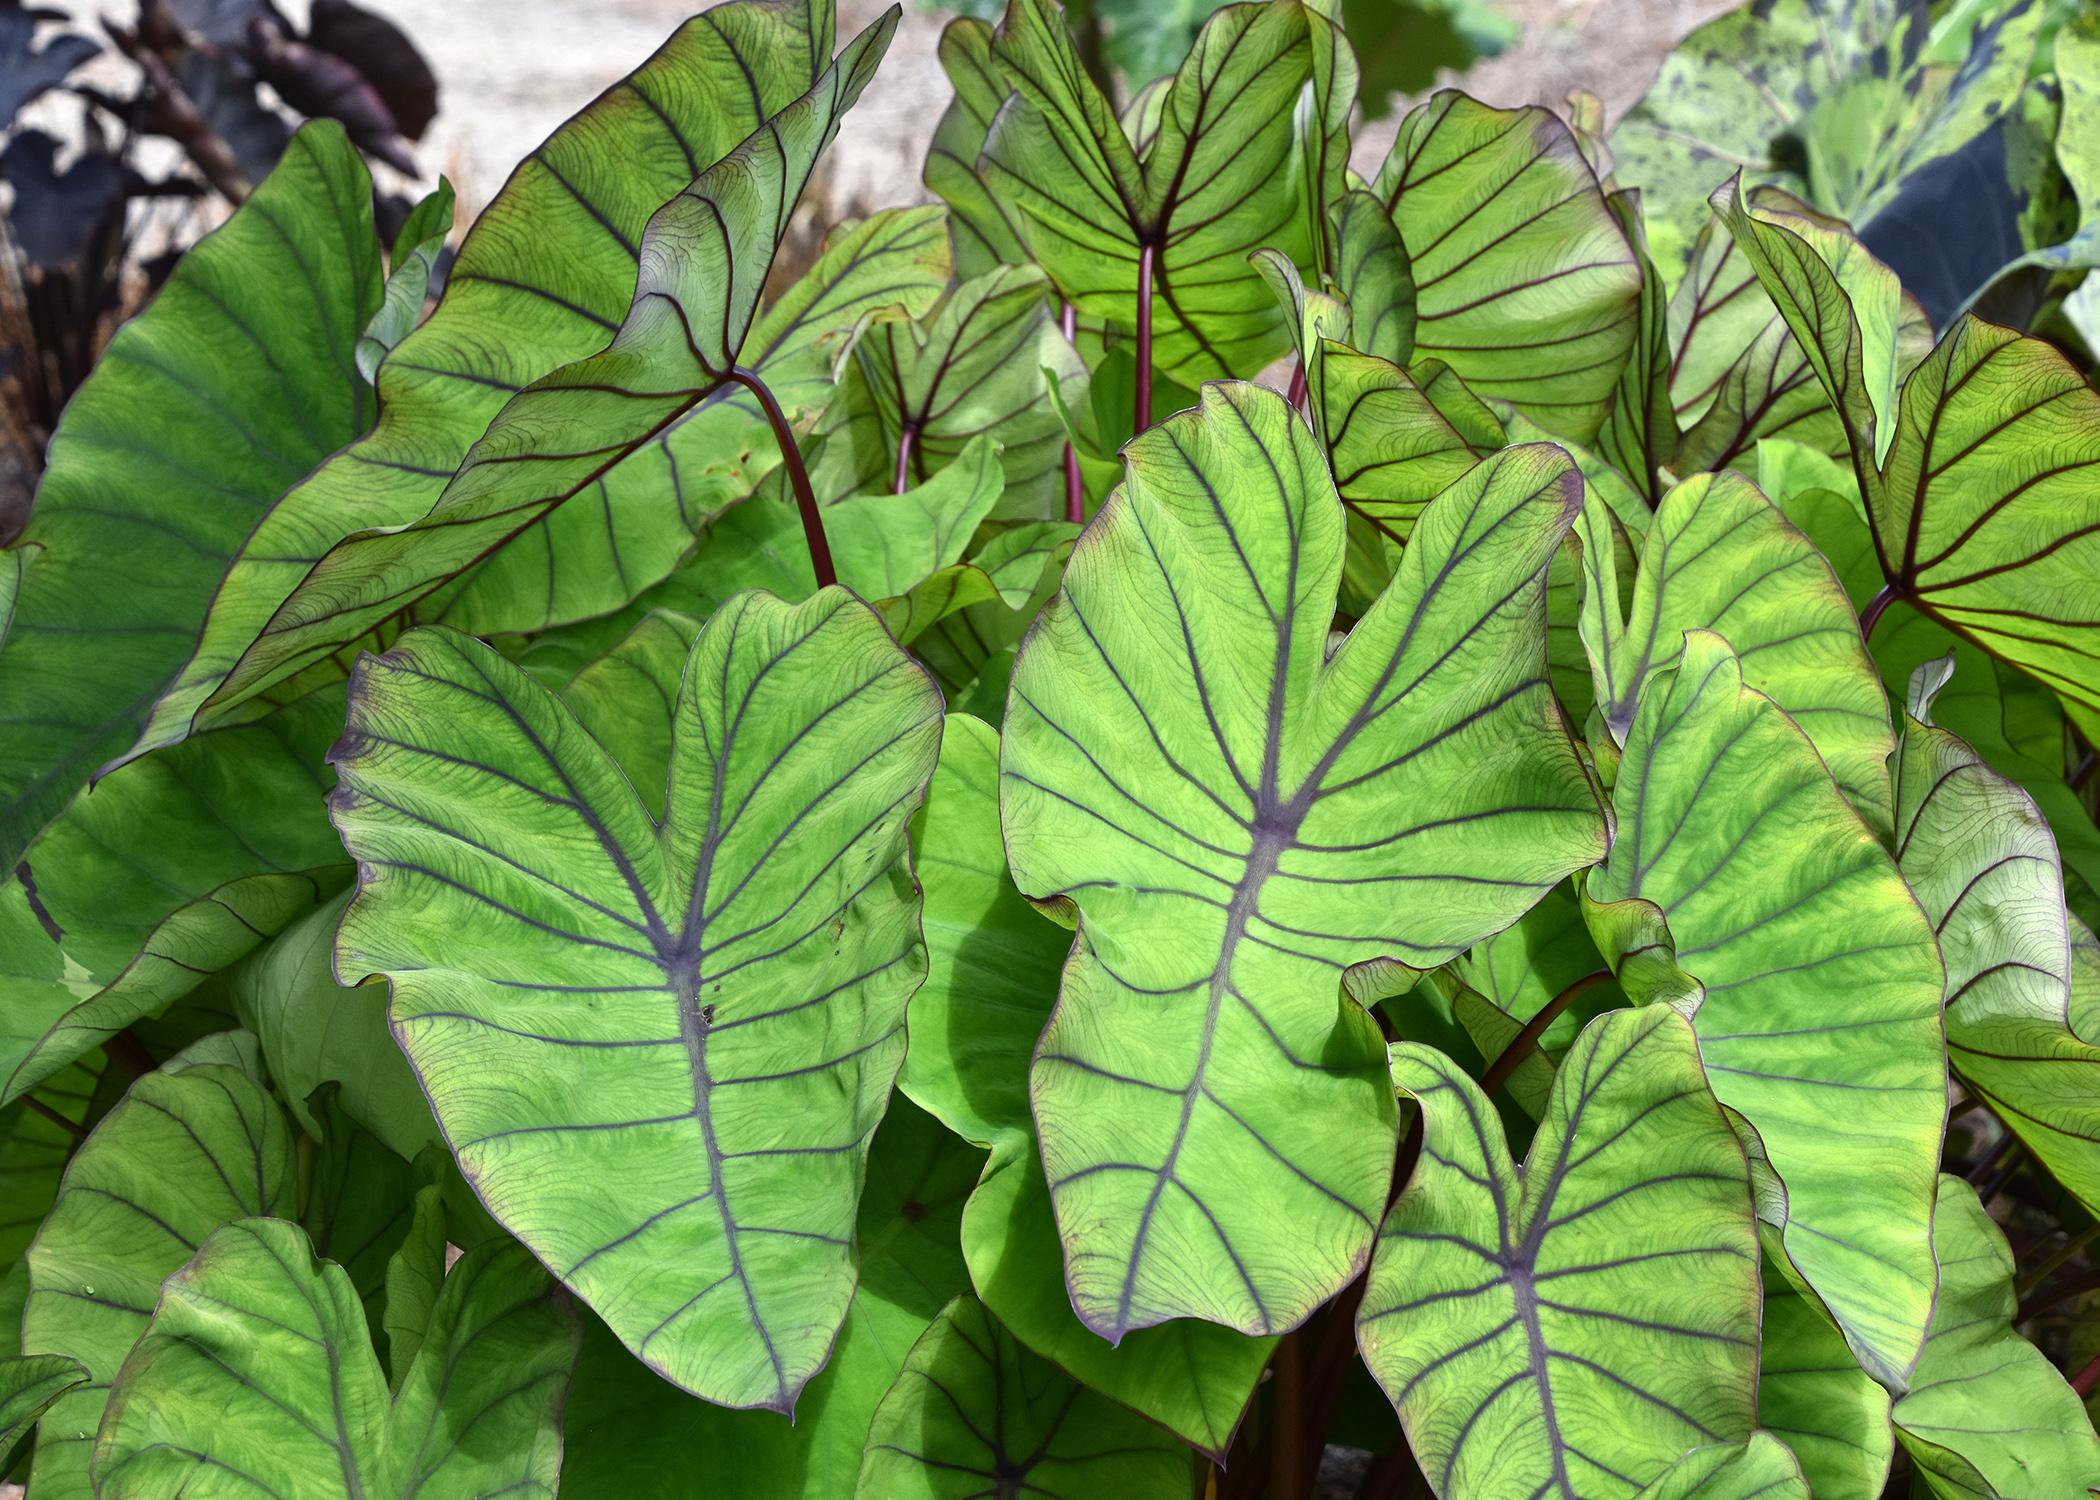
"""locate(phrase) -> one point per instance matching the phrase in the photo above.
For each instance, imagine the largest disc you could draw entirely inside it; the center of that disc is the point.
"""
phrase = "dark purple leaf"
(27, 70)
(56, 214)
(381, 51)
(317, 83)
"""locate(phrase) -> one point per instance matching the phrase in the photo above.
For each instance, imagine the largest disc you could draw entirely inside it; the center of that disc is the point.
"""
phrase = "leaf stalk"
(1144, 340)
(798, 475)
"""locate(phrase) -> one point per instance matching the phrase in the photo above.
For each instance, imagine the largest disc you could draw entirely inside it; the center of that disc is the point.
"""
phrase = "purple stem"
(1871, 615)
(1075, 490)
(1144, 339)
(798, 476)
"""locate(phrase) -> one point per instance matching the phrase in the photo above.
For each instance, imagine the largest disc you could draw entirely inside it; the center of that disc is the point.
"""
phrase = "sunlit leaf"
(714, 1001)
(984, 235)
(1812, 1393)
(1245, 822)
(1577, 1322)
(1721, 557)
(257, 1375)
(1746, 890)
(1760, 1469)
(1524, 283)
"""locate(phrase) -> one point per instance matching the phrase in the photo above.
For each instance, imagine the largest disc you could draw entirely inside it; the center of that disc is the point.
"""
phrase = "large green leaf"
(1812, 1392)
(1245, 821)
(976, 366)
(974, 1413)
(544, 277)
(1980, 856)
(102, 927)
(1524, 282)
(631, 1434)
(992, 971)
(1745, 889)
(1573, 1324)
(1760, 1469)
(182, 1154)
(696, 1020)
(1988, 1417)
(1976, 484)
(1224, 172)
(1719, 556)
(704, 259)
(257, 1376)
(234, 382)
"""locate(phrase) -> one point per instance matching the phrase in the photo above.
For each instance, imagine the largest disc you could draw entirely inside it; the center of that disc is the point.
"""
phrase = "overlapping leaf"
(1977, 484)
(417, 246)
(1245, 821)
(973, 1412)
(975, 368)
(258, 1375)
(183, 1154)
(1523, 280)
(993, 963)
(983, 235)
(1234, 163)
(1721, 557)
(1980, 856)
(713, 1000)
(704, 259)
(234, 383)
(1744, 888)
(543, 278)
(1572, 1325)
(101, 926)
(628, 1432)
(1812, 1393)
(1987, 1415)
(29, 1383)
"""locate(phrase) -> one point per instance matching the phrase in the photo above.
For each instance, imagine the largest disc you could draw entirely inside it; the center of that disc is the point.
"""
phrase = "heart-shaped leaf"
(1719, 556)
(716, 998)
(1745, 889)
(1987, 1414)
(230, 386)
(100, 929)
(973, 1412)
(257, 1376)
(1245, 820)
(1574, 1324)
(1980, 856)
(182, 1154)
(992, 971)
(1524, 283)
(1263, 99)
(543, 278)
(704, 259)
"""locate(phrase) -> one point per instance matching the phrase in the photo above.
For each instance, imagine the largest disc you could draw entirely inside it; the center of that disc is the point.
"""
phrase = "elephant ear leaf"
(695, 1021)
(1978, 480)
(542, 278)
(1240, 842)
(1762, 1468)
(180, 1155)
(1719, 556)
(1987, 1414)
(29, 1383)
(1984, 863)
(257, 1376)
(1745, 889)
(243, 362)
(983, 234)
(704, 259)
(1523, 280)
(1201, 196)
(1575, 1323)
(974, 1413)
